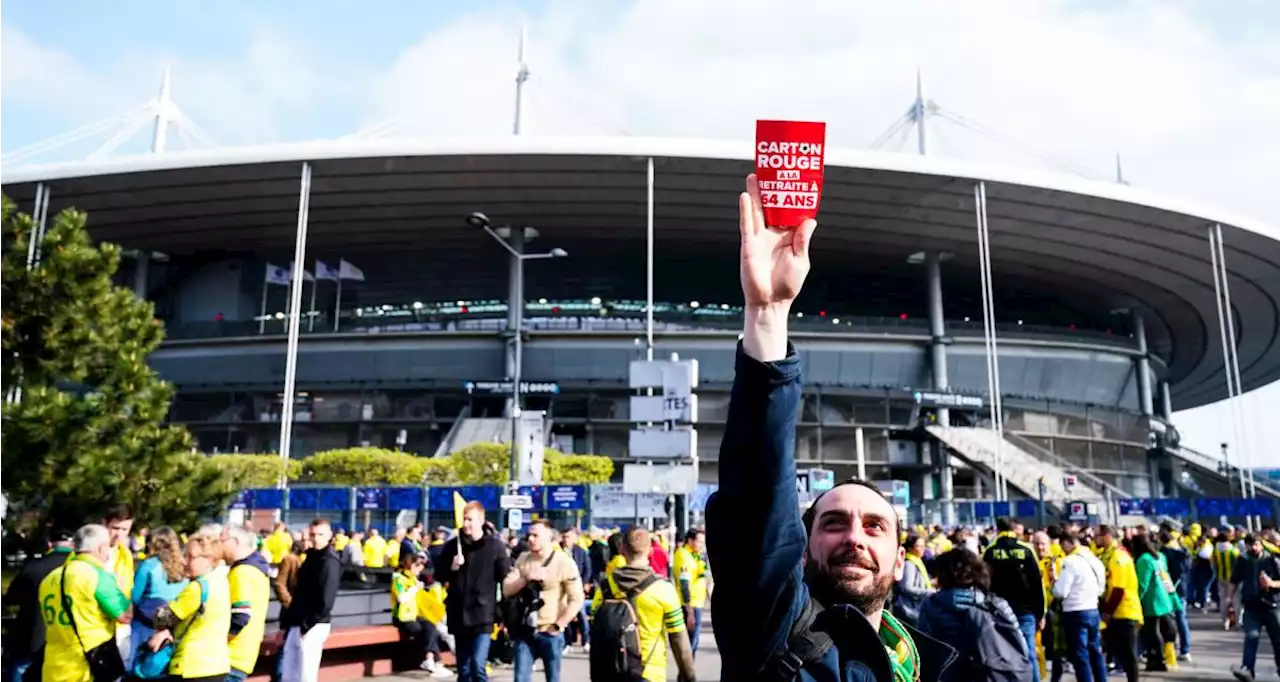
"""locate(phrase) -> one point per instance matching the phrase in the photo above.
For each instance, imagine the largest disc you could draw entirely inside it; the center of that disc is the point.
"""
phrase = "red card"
(789, 162)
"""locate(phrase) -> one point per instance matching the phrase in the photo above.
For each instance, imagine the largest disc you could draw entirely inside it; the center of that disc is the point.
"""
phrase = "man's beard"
(830, 587)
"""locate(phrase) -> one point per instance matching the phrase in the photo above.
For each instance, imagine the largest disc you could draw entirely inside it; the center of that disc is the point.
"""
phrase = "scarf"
(901, 649)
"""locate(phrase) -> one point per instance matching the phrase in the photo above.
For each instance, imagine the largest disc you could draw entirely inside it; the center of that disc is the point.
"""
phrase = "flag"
(277, 275)
(349, 271)
(458, 504)
(306, 276)
(325, 272)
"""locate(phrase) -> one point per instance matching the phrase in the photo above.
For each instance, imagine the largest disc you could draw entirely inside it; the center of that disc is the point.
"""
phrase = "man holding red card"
(797, 600)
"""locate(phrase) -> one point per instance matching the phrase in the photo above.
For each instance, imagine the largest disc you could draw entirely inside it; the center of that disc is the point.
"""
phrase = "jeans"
(581, 624)
(695, 629)
(548, 647)
(1029, 623)
(1184, 631)
(237, 675)
(1083, 639)
(1254, 623)
(472, 654)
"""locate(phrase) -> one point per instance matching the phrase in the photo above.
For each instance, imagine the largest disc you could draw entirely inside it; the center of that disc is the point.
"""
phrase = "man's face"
(854, 556)
(321, 535)
(1255, 548)
(570, 538)
(120, 529)
(539, 538)
(700, 544)
(1040, 541)
(1068, 545)
(1106, 541)
(473, 524)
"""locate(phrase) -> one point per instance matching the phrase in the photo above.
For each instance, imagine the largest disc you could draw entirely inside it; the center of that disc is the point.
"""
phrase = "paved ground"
(1213, 651)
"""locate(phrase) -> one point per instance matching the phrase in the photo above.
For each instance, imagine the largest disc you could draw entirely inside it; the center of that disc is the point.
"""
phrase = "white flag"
(349, 271)
(325, 272)
(306, 276)
(277, 275)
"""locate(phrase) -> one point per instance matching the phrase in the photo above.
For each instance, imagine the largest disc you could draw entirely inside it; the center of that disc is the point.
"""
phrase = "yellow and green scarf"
(902, 650)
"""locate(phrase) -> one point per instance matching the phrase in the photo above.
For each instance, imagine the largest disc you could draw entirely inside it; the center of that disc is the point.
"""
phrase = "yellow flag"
(458, 504)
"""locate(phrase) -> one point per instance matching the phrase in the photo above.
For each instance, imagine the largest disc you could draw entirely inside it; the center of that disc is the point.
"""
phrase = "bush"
(363, 466)
(561, 468)
(255, 471)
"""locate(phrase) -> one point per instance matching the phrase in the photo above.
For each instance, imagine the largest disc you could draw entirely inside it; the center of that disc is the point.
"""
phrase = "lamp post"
(515, 315)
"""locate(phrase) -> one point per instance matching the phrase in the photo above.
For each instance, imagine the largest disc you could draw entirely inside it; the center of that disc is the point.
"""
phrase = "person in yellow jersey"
(375, 550)
(279, 543)
(82, 604)
(1223, 561)
(119, 522)
(693, 580)
(659, 616)
(1121, 604)
(419, 640)
(199, 620)
(250, 584)
(340, 540)
(1050, 636)
(393, 547)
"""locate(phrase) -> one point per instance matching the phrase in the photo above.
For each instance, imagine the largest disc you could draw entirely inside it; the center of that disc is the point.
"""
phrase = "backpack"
(998, 649)
(615, 635)
(154, 665)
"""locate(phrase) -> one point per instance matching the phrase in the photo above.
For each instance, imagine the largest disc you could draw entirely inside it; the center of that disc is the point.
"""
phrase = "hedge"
(476, 464)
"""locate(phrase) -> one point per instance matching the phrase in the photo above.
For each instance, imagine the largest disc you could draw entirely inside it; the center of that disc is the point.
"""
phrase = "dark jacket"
(599, 553)
(755, 537)
(240, 619)
(472, 601)
(318, 579)
(1015, 575)
(953, 616)
(1246, 574)
(26, 633)
(583, 561)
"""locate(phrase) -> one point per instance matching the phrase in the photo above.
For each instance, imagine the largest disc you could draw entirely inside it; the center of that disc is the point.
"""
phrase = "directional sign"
(507, 387)
(515, 518)
(1069, 481)
(516, 502)
(952, 400)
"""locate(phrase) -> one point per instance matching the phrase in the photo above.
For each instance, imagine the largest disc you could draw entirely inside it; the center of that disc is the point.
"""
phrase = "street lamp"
(515, 313)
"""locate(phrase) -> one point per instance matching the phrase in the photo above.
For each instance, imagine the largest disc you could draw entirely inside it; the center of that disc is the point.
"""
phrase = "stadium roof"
(1112, 245)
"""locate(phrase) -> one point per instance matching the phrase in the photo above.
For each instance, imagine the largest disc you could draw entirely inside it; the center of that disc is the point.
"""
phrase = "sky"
(1186, 93)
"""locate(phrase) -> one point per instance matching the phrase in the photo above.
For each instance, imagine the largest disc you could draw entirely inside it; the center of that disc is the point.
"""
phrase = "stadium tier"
(1103, 302)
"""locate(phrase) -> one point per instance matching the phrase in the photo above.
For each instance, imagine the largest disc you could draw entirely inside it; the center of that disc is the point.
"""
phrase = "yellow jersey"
(431, 603)
(1224, 560)
(1123, 575)
(96, 604)
(340, 542)
(1050, 565)
(375, 552)
(250, 594)
(121, 566)
(279, 544)
(404, 597)
(201, 648)
(615, 563)
(691, 568)
(658, 614)
(393, 553)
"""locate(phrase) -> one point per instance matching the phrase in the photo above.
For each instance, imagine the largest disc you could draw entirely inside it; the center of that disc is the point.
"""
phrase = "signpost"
(663, 436)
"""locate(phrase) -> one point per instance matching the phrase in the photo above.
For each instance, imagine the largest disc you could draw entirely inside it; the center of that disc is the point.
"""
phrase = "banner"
(566, 497)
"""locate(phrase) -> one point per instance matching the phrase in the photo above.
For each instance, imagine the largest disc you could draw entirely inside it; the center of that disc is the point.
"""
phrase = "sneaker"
(441, 673)
(586, 647)
(428, 664)
(1242, 673)
(1185, 658)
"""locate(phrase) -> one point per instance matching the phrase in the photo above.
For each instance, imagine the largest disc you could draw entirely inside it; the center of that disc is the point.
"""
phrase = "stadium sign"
(947, 400)
(505, 387)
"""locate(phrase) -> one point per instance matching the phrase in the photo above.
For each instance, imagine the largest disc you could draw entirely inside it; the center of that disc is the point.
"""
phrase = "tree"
(559, 467)
(88, 426)
(255, 471)
(364, 466)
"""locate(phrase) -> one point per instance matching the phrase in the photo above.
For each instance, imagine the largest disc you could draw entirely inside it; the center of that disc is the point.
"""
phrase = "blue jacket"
(756, 539)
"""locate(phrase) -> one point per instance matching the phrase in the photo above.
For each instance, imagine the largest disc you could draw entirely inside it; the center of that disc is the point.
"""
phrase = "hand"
(538, 574)
(458, 561)
(158, 640)
(1041, 627)
(688, 616)
(774, 264)
(1265, 581)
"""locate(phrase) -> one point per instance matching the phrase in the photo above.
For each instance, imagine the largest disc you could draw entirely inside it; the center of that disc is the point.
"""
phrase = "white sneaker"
(441, 673)
(586, 647)
(428, 664)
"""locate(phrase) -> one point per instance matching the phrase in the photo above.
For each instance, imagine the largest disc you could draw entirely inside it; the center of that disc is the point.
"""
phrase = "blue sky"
(1187, 92)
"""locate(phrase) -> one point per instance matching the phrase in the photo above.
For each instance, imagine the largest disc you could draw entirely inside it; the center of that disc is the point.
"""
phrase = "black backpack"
(997, 649)
(615, 635)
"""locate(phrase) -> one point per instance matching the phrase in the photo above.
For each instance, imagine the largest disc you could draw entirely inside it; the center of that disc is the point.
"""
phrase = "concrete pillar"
(1144, 365)
(141, 274)
(515, 306)
(1166, 403)
(938, 366)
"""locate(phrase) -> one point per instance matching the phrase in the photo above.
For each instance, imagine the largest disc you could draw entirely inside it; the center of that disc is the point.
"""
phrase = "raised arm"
(753, 521)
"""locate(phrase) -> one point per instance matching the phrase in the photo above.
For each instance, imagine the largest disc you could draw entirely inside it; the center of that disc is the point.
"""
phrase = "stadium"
(1103, 299)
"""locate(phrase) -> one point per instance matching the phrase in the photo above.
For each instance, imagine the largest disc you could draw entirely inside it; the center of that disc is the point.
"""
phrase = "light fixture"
(595, 300)
(724, 306)
(694, 304)
(279, 316)
(559, 253)
(1019, 323)
(478, 220)
(835, 320)
(799, 314)
(417, 305)
(542, 301)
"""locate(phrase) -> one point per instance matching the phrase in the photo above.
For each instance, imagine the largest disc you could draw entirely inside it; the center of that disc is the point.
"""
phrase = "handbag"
(154, 665)
(105, 664)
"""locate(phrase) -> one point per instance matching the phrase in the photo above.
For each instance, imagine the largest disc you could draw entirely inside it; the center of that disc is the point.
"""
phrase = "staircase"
(1023, 470)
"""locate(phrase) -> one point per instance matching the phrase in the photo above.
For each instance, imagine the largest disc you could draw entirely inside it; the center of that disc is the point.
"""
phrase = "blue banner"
(1027, 508)
(399, 499)
(1135, 507)
(1254, 507)
(982, 509)
(242, 500)
(1175, 507)
(1216, 506)
(331, 499)
(1002, 508)
(534, 491)
(267, 498)
(566, 497)
(371, 498)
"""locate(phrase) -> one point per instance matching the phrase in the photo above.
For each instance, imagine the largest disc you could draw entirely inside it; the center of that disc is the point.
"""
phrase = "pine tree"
(85, 418)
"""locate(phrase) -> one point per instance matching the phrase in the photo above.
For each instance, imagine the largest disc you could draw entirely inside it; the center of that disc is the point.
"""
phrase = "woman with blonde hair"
(198, 621)
(162, 575)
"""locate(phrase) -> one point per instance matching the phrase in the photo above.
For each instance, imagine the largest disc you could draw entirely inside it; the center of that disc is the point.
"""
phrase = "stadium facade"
(1103, 299)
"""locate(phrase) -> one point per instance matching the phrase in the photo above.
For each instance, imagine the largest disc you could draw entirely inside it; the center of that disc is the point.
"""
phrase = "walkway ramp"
(1024, 471)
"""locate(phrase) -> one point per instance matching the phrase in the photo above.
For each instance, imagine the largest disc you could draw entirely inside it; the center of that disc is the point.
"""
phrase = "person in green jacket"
(1159, 631)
